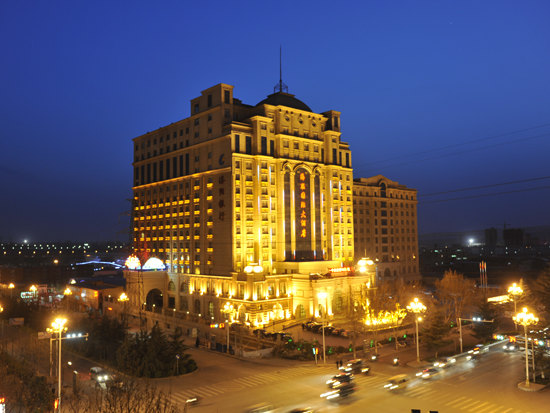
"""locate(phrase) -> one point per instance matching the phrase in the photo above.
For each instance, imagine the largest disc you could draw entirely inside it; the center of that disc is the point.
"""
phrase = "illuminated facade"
(243, 204)
(385, 224)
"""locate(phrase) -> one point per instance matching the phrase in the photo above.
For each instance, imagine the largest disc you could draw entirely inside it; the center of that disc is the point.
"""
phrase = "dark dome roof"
(284, 99)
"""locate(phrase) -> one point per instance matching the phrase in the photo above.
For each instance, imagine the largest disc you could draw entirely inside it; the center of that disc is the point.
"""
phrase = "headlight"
(387, 385)
(418, 374)
(329, 381)
(425, 375)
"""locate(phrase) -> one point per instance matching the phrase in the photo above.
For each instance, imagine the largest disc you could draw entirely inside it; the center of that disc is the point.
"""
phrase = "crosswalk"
(445, 401)
(241, 383)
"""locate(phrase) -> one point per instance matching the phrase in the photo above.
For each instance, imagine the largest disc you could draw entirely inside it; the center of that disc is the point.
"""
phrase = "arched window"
(184, 287)
(171, 286)
(300, 311)
(211, 309)
(382, 190)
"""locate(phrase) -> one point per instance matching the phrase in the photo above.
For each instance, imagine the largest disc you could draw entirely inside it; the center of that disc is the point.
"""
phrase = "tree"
(454, 293)
(538, 293)
(485, 331)
(126, 395)
(435, 329)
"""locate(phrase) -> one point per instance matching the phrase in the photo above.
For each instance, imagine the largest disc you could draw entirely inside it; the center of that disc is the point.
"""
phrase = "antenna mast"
(280, 87)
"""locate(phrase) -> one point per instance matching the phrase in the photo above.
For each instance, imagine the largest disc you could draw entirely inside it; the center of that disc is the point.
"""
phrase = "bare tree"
(454, 293)
(128, 395)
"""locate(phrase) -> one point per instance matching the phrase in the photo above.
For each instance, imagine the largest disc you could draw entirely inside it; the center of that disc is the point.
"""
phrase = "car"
(397, 382)
(345, 333)
(302, 410)
(339, 393)
(339, 380)
(329, 329)
(510, 346)
(480, 348)
(356, 366)
(428, 373)
(98, 374)
(310, 324)
(261, 408)
(445, 362)
(336, 331)
(316, 328)
(259, 332)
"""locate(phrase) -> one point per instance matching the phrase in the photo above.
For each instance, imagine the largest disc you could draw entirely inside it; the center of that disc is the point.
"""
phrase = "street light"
(526, 319)
(475, 320)
(58, 326)
(515, 290)
(123, 298)
(324, 296)
(417, 307)
(227, 310)
(11, 287)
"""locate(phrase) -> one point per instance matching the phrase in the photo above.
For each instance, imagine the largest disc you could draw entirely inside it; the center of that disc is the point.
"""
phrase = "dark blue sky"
(432, 94)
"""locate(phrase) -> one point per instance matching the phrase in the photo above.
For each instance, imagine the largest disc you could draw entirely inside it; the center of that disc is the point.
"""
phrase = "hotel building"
(385, 226)
(250, 208)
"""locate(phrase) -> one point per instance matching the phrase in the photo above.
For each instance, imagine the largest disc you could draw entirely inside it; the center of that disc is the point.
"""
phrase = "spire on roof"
(280, 87)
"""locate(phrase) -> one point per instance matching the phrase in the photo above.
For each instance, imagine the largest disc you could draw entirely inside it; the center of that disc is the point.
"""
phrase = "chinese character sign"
(303, 215)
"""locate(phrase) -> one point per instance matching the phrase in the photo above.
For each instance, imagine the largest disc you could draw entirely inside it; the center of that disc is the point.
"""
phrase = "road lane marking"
(490, 406)
(481, 405)
(455, 401)
(470, 405)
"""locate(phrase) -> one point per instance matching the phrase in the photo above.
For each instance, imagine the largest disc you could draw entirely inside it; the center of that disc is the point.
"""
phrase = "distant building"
(250, 208)
(491, 237)
(513, 237)
(385, 226)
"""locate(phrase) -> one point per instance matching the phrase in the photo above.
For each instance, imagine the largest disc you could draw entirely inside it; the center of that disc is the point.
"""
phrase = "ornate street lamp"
(515, 290)
(324, 296)
(417, 308)
(524, 318)
(58, 326)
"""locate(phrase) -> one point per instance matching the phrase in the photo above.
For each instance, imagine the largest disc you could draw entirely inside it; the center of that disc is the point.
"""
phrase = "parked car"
(345, 333)
(336, 331)
(329, 329)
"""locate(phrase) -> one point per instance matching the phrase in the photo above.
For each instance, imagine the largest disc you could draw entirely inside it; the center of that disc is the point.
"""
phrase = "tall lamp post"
(227, 310)
(123, 298)
(515, 290)
(417, 308)
(58, 326)
(524, 318)
(324, 296)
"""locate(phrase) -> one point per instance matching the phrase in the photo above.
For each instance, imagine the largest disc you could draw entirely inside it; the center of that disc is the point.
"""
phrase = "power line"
(416, 161)
(483, 195)
(487, 186)
(463, 143)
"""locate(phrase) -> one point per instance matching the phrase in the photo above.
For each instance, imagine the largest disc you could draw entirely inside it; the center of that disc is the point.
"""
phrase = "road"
(486, 386)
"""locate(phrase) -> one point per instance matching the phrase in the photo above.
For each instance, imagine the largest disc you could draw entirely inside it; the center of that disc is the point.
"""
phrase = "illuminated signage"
(500, 299)
(339, 270)
(303, 204)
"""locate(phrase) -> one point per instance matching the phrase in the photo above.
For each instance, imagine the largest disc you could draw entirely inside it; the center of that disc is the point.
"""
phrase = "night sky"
(437, 95)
